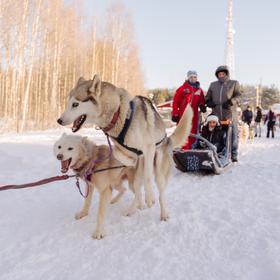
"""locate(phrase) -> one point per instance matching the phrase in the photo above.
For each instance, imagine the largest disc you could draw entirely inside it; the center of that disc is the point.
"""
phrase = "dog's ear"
(81, 80)
(95, 86)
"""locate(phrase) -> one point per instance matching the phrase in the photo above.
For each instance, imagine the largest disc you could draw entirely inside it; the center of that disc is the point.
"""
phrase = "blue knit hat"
(191, 73)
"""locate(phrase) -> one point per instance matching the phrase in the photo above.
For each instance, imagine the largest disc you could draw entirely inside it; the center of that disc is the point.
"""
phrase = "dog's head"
(69, 150)
(90, 101)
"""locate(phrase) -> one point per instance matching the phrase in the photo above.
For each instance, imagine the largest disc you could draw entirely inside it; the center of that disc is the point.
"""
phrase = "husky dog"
(252, 132)
(136, 129)
(243, 130)
(77, 153)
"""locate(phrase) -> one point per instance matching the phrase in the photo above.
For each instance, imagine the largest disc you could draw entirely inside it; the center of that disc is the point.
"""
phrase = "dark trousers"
(270, 127)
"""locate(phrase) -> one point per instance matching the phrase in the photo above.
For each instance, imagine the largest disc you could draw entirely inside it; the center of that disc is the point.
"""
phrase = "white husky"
(78, 153)
(136, 129)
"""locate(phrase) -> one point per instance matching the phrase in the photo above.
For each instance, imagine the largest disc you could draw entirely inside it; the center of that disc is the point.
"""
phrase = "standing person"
(223, 97)
(271, 120)
(247, 116)
(258, 120)
(189, 93)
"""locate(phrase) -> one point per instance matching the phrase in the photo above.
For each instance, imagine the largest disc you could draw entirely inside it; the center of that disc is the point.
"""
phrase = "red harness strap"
(113, 121)
(37, 183)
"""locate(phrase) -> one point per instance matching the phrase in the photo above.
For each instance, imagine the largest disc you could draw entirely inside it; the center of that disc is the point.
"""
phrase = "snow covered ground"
(221, 227)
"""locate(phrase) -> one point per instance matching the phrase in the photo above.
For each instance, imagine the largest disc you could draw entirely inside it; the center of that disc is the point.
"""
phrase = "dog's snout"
(59, 156)
(60, 121)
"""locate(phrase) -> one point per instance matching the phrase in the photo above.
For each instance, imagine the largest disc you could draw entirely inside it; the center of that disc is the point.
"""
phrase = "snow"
(221, 227)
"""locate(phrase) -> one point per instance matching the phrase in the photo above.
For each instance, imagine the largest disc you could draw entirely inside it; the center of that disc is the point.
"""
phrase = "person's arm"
(209, 99)
(251, 115)
(243, 116)
(236, 97)
(266, 118)
(201, 103)
(176, 105)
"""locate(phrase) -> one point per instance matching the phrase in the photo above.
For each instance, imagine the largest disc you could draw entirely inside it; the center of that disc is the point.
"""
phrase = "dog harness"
(121, 136)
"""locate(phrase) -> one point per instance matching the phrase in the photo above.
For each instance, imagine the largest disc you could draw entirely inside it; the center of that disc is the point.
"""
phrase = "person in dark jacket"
(258, 120)
(247, 116)
(223, 97)
(271, 120)
(213, 132)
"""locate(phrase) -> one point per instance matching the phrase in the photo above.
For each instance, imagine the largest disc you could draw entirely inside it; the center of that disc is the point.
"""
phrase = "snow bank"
(221, 227)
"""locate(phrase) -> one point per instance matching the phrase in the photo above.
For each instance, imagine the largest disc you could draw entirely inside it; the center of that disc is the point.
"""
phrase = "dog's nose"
(60, 121)
(59, 156)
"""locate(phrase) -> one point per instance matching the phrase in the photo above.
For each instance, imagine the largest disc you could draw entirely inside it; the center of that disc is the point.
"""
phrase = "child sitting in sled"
(214, 133)
(210, 152)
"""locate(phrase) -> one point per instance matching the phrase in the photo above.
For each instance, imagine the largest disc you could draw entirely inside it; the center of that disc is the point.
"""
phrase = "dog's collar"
(113, 121)
(79, 170)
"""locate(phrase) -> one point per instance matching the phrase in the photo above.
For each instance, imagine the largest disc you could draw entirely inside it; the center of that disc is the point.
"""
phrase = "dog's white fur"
(81, 151)
(99, 101)
(251, 132)
(243, 130)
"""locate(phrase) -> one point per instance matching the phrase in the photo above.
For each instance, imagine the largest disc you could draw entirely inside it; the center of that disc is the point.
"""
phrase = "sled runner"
(206, 159)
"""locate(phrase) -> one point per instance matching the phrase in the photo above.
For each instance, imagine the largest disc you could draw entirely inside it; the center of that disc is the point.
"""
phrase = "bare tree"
(45, 45)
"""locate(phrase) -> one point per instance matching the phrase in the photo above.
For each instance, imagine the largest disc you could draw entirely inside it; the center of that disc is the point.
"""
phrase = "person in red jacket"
(189, 93)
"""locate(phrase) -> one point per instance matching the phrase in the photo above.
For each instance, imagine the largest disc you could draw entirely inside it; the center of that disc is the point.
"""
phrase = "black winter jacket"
(216, 137)
(258, 117)
(247, 116)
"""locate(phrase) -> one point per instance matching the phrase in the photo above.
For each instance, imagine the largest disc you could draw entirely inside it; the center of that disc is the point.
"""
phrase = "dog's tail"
(183, 129)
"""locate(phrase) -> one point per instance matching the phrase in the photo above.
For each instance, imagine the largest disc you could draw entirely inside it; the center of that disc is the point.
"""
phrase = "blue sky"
(178, 35)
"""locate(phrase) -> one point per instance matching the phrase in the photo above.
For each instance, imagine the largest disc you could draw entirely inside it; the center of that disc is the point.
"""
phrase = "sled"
(207, 159)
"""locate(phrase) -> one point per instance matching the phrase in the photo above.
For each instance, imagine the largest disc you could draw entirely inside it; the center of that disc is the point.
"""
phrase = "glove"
(175, 118)
(202, 108)
(211, 104)
(202, 145)
(227, 105)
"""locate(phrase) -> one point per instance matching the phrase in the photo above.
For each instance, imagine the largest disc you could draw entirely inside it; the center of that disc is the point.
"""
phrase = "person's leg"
(191, 140)
(260, 129)
(234, 147)
(256, 129)
(272, 131)
(268, 129)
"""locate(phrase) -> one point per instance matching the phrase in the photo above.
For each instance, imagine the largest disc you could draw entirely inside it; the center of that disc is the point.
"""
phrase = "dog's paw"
(129, 212)
(164, 217)
(80, 215)
(149, 203)
(141, 206)
(115, 200)
(98, 234)
(150, 200)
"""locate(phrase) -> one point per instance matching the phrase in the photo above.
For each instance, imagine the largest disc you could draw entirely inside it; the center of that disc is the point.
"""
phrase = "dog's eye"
(59, 147)
(75, 104)
(70, 149)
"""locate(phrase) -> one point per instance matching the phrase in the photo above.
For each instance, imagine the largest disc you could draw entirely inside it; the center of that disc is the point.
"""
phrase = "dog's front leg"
(87, 203)
(121, 190)
(137, 183)
(148, 175)
(105, 198)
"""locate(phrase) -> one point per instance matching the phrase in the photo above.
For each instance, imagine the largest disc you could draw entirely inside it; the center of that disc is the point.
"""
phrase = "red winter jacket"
(185, 95)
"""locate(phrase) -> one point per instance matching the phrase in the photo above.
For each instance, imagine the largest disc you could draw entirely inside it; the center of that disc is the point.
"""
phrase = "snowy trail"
(222, 227)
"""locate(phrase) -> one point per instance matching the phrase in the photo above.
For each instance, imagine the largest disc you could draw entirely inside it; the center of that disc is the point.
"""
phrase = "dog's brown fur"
(104, 181)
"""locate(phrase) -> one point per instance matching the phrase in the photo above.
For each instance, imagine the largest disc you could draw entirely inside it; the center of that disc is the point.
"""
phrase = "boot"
(234, 158)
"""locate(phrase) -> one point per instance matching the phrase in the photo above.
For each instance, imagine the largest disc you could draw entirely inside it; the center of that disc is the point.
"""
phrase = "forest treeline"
(46, 45)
